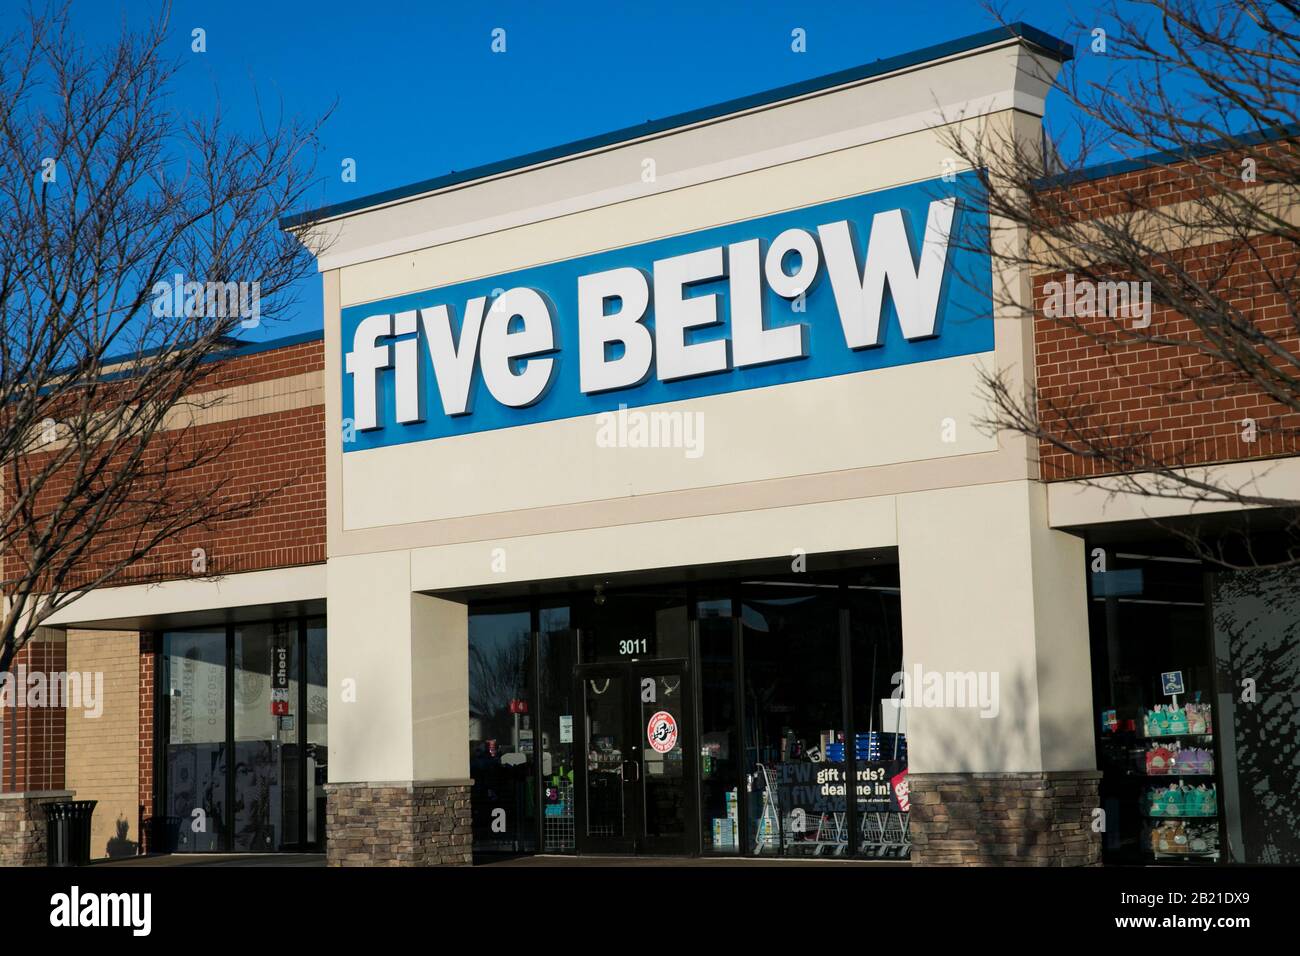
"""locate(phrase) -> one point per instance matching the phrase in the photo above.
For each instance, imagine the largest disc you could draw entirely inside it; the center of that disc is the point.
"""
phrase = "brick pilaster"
(148, 644)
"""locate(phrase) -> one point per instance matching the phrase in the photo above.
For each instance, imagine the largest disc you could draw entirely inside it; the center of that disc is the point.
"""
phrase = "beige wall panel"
(776, 532)
(988, 589)
(830, 424)
(370, 664)
(849, 172)
(103, 752)
(398, 676)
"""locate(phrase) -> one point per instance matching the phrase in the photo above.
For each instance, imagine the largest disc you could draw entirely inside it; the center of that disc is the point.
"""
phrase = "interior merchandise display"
(871, 746)
(726, 830)
(1167, 752)
(1182, 815)
(1182, 837)
(558, 832)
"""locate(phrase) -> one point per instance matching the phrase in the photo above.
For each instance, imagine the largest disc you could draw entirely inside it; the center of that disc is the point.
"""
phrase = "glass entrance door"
(636, 791)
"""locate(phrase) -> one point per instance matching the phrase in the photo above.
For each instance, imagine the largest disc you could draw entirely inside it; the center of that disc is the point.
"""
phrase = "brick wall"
(263, 443)
(1176, 405)
(102, 751)
(34, 735)
(1154, 186)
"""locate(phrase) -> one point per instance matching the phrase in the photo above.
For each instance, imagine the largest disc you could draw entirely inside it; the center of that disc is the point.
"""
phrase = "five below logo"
(514, 347)
(77, 909)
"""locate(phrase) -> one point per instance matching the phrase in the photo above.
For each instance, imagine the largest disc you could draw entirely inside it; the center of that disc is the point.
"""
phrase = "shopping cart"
(796, 831)
(885, 834)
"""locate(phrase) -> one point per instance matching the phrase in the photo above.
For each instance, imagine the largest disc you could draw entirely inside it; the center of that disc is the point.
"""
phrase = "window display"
(1156, 743)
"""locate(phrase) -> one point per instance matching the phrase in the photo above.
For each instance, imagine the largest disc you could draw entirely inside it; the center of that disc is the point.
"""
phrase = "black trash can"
(67, 832)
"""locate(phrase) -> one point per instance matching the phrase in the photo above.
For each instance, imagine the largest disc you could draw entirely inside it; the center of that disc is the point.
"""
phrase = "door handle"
(635, 766)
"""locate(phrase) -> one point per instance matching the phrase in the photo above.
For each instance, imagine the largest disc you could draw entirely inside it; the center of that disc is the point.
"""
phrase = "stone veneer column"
(1015, 819)
(404, 824)
(991, 593)
(398, 791)
(22, 826)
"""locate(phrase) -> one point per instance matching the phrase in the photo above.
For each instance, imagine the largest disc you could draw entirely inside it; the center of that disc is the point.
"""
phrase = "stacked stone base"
(398, 824)
(1004, 819)
(22, 826)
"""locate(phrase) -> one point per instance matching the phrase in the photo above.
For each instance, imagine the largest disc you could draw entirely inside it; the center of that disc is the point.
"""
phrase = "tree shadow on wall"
(119, 846)
(959, 751)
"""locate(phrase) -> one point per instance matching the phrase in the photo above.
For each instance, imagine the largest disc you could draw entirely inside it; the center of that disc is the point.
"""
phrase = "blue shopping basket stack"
(874, 745)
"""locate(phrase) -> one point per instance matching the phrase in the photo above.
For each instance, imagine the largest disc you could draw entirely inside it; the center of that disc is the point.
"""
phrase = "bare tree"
(136, 240)
(1209, 224)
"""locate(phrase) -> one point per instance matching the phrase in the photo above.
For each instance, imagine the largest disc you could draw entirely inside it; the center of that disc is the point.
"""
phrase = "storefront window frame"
(162, 731)
(698, 843)
(1100, 636)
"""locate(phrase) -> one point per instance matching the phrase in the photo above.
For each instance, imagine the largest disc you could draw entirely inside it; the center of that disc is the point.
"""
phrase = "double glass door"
(637, 783)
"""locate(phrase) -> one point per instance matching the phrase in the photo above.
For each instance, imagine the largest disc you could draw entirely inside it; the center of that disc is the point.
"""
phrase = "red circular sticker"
(662, 732)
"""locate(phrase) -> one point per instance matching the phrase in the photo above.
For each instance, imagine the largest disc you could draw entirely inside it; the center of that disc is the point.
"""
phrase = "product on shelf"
(1199, 719)
(1182, 800)
(1188, 838)
(1196, 760)
(726, 830)
(1172, 720)
(874, 745)
(1173, 759)
(1159, 760)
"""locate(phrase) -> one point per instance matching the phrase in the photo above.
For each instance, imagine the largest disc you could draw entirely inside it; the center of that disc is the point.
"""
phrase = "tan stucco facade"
(882, 459)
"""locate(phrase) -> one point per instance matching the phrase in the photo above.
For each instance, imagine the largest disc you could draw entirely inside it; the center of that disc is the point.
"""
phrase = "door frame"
(634, 842)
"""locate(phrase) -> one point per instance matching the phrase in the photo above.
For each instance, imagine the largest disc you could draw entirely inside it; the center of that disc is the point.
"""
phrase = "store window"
(501, 732)
(1153, 679)
(557, 650)
(233, 773)
(195, 808)
(794, 719)
(876, 653)
(266, 791)
(719, 729)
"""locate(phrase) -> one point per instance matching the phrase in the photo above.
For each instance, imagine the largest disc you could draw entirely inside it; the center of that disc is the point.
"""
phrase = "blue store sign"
(884, 279)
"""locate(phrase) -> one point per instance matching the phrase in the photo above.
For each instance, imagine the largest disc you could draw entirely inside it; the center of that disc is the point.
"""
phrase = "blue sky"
(417, 91)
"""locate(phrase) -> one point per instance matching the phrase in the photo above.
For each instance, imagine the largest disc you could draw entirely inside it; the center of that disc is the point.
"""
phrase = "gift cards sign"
(885, 279)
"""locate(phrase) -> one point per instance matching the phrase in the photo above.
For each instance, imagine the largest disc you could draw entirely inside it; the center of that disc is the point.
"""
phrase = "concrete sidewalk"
(220, 859)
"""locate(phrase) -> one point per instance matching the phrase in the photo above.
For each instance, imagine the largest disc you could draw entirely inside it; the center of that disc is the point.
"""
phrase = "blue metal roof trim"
(1045, 41)
(1165, 157)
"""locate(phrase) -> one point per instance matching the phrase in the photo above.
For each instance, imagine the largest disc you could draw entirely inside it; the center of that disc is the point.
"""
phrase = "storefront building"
(638, 478)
